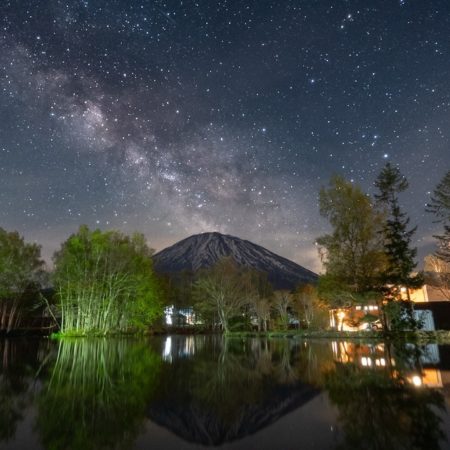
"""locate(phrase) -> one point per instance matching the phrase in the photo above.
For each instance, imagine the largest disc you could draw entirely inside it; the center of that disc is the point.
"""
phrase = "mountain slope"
(204, 250)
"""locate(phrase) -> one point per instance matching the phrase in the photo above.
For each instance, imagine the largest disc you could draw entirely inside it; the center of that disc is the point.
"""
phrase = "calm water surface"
(181, 392)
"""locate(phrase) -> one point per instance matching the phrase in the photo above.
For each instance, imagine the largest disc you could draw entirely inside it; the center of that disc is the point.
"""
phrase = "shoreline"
(420, 337)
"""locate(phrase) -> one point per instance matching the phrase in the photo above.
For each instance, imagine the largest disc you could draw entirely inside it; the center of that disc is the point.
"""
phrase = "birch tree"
(105, 283)
(352, 252)
(224, 291)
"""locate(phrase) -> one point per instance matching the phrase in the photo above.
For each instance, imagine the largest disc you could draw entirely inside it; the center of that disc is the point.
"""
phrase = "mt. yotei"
(204, 250)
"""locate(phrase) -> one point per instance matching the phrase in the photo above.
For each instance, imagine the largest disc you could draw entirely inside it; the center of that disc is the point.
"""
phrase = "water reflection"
(418, 365)
(94, 394)
(97, 394)
(219, 390)
(382, 396)
(18, 378)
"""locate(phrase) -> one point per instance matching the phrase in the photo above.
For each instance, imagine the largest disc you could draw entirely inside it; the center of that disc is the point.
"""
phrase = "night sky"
(179, 117)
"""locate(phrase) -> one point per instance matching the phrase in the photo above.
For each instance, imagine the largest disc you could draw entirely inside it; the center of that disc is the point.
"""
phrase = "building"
(431, 305)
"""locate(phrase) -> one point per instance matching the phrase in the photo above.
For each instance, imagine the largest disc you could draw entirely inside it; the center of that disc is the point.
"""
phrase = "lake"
(188, 392)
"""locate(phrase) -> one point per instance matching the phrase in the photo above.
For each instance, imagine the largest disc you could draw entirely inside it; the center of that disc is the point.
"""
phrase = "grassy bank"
(440, 336)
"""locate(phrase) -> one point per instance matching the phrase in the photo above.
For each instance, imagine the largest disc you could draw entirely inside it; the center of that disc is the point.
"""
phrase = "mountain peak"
(204, 250)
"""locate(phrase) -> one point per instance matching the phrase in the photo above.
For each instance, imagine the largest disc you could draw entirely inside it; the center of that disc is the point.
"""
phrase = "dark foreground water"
(191, 392)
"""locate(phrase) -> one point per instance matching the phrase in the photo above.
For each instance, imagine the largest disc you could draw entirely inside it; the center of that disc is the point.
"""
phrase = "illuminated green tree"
(352, 253)
(105, 283)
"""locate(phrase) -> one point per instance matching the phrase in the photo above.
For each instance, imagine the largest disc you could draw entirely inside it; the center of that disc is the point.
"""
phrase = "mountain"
(204, 250)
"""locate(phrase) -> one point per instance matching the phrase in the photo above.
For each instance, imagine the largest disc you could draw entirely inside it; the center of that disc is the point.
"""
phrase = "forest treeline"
(104, 282)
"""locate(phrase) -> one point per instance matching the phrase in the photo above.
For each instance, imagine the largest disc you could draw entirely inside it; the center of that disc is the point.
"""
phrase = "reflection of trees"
(244, 369)
(314, 360)
(18, 365)
(13, 388)
(97, 394)
(380, 409)
(233, 388)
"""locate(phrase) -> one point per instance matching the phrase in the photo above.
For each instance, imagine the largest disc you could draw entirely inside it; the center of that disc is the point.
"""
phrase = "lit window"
(367, 362)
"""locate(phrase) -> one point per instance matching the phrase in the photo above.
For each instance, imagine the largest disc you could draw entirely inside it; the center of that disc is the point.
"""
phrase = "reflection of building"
(179, 348)
(364, 355)
(421, 370)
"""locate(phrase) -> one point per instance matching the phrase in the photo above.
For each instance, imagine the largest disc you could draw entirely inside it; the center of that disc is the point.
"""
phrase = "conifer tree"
(396, 233)
(440, 207)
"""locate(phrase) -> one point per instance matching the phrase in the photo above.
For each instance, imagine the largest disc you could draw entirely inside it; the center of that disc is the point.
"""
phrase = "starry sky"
(179, 117)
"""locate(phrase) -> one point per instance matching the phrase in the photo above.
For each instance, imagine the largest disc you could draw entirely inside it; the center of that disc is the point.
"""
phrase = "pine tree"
(440, 207)
(396, 233)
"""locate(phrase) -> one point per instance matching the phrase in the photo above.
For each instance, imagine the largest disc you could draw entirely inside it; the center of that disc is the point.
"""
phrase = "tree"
(261, 308)
(352, 252)
(308, 306)
(282, 302)
(223, 291)
(440, 207)
(396, 235)
(105, 282)
(178, 288)
(260, 299)
(437, 273)
(21, 270)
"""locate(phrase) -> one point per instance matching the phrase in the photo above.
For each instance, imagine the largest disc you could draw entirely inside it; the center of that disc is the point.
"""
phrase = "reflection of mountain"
(233, 390)
(96, 393)
(192, 422)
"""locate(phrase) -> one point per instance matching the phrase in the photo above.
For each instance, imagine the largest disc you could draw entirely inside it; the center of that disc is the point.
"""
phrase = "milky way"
(178, 117)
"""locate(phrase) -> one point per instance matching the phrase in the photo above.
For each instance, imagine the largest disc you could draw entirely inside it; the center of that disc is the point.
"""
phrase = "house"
(431, 305)
(355, 318)
(179, 317)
